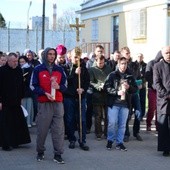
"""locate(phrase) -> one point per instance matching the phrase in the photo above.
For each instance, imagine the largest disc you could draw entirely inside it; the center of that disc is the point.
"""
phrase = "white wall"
(157, 33)
(15, 40)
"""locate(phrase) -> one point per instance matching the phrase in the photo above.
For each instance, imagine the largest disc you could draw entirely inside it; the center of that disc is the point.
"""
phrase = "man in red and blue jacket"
(49, 82)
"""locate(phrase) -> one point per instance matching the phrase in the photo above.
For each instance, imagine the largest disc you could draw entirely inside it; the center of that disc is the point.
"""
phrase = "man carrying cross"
(75, 96)
(72, 102)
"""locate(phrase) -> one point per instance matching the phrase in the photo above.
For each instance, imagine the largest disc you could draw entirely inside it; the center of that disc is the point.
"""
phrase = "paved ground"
(140, 156)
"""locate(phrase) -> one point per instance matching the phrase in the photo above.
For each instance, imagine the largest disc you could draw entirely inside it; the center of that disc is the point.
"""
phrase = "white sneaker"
(29, 126)
(33, 124)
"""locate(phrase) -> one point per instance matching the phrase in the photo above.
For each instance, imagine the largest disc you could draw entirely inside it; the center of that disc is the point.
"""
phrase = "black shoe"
(6, 148)
(65, 137)
(138, 137)
(40, 157)
(148, 128)
(165, 153)
(99, 137)
(109, 145)
(141, 119)
(84, 147)
(58, 159)
(15, 146)
(121, 147)
(126, 139)
(72, 145)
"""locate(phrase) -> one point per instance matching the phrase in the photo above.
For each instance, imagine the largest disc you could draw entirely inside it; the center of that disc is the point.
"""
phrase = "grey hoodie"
(44, 59)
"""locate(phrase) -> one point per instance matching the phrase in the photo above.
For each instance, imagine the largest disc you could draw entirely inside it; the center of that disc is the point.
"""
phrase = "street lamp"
(27, 37)
(9, 37)
(43, 25)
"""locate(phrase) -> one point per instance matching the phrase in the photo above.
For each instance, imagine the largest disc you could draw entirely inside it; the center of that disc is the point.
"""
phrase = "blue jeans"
(117, 117)
(71, 109)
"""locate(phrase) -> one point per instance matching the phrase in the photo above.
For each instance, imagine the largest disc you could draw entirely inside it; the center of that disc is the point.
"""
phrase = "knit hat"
(61, 49)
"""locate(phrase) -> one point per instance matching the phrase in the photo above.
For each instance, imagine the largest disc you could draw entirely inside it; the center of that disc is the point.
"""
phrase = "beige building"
(142, 25)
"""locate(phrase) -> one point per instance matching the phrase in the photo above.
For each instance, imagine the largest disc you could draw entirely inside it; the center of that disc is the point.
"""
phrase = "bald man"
(161, 76)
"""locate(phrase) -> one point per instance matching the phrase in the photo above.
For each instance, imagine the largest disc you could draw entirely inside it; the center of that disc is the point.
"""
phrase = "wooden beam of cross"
(77, 26)
(78, 53)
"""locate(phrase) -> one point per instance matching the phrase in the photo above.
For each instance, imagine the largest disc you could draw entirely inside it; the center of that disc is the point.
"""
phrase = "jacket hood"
(158, 56)
(44, 57)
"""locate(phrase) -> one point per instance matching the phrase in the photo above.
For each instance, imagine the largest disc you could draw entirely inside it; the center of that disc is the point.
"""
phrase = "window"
(139, 24)
(115, 33)
(95, 30)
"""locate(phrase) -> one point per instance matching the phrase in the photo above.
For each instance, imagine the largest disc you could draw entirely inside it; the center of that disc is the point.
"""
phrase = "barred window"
(95, 30)
(139, 24)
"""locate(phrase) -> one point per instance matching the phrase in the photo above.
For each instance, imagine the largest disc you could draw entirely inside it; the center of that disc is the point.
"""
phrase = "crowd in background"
(65, 92)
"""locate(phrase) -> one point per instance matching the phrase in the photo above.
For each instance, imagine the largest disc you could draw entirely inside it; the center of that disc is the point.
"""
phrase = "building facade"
(142, 25)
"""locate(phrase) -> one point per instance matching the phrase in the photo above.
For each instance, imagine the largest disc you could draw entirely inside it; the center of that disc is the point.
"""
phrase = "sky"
(15, 12)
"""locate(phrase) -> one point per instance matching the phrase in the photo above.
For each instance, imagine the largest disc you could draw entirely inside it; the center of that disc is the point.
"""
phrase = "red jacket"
(41, 82)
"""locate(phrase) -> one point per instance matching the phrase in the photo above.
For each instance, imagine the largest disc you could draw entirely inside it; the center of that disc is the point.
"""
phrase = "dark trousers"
(72, 117)
(135, 102)
(89, 111)
(142, 95)
(100, 113)
(163, 132)
(35, 106)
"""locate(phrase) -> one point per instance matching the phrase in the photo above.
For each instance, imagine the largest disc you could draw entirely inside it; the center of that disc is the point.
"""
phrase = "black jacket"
(33, 63)
(72, 79)
(112, 85)
(133, 68)
(149, 70)
(27, 77)
(11, 85)
(149, 73)
(112, 64)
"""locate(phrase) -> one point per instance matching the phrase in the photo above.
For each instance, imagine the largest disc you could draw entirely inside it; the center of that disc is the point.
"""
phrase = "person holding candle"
(119, 85)
(49, 82)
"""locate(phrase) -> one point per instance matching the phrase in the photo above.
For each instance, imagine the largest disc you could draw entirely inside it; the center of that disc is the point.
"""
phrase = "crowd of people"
(64, 91)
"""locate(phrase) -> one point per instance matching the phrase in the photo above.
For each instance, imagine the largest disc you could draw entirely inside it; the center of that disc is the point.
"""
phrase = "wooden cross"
(78, 52)
(77, 26)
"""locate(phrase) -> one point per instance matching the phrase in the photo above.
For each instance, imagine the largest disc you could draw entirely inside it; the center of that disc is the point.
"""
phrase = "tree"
(2, 21)
(63, 22)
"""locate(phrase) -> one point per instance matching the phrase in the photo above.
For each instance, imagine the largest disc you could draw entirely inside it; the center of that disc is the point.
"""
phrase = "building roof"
(96, 5)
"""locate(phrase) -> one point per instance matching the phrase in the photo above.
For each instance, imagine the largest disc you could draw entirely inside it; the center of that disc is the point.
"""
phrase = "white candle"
(123, 96)
(53, 90)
